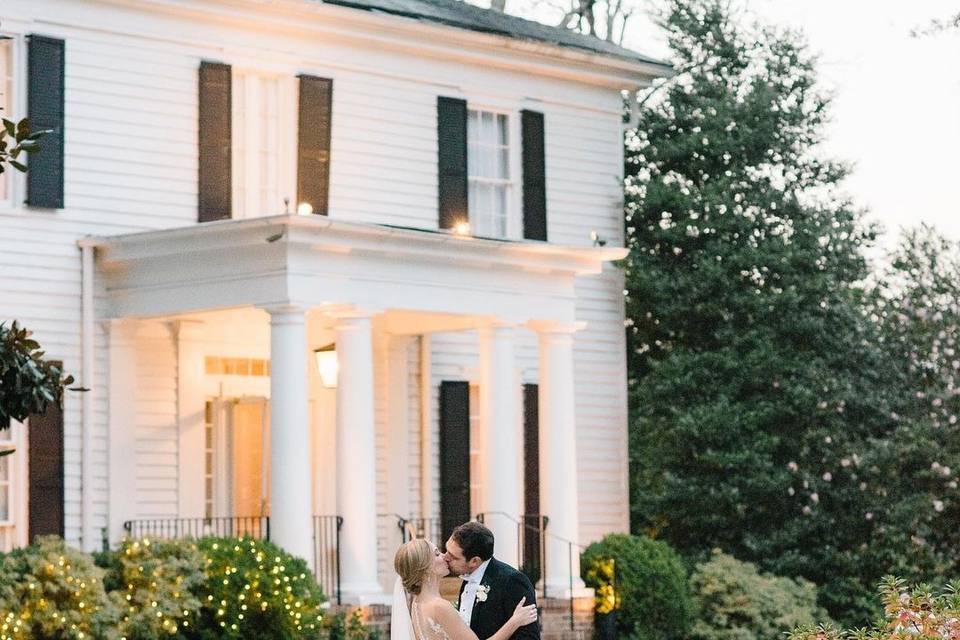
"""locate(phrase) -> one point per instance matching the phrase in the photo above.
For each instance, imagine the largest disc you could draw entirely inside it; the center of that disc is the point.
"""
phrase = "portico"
(358, 283)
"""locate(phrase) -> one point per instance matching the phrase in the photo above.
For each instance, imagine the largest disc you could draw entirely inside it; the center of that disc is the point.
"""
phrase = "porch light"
(327, 365)
(462, 228)
(304, 209)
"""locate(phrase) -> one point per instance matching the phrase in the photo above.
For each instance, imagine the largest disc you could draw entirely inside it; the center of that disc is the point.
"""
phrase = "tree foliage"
(28, 382)
(758, 384)
(642, 583)
(735, 601)
(16, 138)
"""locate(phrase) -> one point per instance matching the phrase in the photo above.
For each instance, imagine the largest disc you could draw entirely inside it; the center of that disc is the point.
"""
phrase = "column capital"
(554, 327)
(284, 309)
(345, 313)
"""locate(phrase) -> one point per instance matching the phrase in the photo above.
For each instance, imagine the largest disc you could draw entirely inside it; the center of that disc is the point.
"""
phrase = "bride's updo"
(412, 562)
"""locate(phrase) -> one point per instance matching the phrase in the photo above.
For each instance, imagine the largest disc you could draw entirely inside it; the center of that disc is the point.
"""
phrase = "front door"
(240, 456)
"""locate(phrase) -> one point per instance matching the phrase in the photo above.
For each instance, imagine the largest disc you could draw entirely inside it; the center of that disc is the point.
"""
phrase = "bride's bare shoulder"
(437, 607)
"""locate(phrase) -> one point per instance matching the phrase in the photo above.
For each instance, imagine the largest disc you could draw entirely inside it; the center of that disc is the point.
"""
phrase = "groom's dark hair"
(475, 540)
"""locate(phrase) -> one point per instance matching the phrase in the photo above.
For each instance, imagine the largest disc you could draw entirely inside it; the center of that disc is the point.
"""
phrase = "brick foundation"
(555, 618)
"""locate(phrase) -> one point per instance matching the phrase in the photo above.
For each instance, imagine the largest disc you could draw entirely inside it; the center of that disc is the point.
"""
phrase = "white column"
(291, 521)
(558, 457)
(191, 421)
(356, 461)
(122, 380)
(500, 440)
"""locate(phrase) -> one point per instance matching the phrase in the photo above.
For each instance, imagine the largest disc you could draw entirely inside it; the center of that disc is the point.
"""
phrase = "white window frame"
(246, 205)
(13, 529)
(514, 196)
(16, 184)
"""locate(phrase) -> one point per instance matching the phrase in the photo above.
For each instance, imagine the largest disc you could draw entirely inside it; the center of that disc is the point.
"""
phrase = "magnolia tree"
(28, 382)
(17, 139)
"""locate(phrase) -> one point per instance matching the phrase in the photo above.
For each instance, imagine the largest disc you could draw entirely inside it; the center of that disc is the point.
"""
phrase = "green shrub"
(641, 585)
(341, 626)
(917, 613)
(734, 601)
(154, 584)
(51, 591)
(256, 590)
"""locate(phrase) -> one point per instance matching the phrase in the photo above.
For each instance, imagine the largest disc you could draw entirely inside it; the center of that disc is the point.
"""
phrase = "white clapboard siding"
(131, 165)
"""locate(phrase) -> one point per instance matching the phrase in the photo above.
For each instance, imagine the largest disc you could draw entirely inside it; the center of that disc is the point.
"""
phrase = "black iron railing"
(229, 526)
(429, 528)
(326, 553)
(531, 545)
(326, 538)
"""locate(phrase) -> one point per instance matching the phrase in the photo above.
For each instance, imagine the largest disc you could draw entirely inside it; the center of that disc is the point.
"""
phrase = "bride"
(418, 607)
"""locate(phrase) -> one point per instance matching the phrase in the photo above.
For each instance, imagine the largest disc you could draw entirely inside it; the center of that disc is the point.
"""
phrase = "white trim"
(394, 32)
(13, 530)
(87, 373)
(318, 262)
(14, 200)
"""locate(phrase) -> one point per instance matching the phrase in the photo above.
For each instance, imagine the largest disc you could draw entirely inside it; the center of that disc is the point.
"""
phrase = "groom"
(491, 589)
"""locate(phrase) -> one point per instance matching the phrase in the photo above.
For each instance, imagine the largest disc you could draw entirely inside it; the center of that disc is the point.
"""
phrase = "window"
(6, 103)
(488, 170)
(264, 144)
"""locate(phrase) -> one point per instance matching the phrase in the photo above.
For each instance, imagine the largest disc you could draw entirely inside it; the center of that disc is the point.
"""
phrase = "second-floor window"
(7, 105)
(488, 168)
(264, 143)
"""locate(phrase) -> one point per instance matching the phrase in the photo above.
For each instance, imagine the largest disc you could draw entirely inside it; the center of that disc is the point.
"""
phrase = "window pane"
(4, 502)
(473, 160)
(4, 468)
(473, 126)
(503, 164)
(502, 130)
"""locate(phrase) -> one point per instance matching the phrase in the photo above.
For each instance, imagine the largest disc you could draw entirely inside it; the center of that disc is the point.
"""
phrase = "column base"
(364, 595)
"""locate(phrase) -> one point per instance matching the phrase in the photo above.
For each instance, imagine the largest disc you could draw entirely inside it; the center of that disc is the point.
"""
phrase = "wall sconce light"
(462, 228)
(327, 365)
(304, 209)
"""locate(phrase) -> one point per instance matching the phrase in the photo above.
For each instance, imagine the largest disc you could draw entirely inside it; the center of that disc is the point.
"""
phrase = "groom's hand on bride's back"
(520, 588)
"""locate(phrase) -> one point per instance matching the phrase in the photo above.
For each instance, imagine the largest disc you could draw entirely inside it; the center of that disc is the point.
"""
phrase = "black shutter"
(452, 153)
(313, 144)
(533, 523)
(454, 456)
(45, 462)
(534, 176)
(215, 181)
(45, 93)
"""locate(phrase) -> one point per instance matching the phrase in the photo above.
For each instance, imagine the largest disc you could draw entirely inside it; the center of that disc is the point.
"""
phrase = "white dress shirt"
(469, 595)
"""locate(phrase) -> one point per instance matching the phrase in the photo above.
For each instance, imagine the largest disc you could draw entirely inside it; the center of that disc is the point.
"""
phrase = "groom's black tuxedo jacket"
(507, 587)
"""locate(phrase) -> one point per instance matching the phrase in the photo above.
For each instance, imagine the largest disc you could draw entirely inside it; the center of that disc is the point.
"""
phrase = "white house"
(241, 197)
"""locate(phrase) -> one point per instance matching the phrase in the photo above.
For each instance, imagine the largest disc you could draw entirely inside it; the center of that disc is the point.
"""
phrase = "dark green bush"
(341, 626)
(154, 585)
(642, 588)
(50, 591)
(255, 590)
(734, 601)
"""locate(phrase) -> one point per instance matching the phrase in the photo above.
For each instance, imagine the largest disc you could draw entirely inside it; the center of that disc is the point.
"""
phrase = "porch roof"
(318, 262)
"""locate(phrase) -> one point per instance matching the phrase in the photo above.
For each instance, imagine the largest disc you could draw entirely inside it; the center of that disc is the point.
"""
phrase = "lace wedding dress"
(425, 627)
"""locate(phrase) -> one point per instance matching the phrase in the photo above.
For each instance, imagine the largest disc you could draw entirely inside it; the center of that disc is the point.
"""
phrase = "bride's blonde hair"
(412, 562)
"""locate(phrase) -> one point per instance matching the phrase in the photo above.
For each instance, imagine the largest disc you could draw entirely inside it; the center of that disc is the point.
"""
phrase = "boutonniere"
(482, 592)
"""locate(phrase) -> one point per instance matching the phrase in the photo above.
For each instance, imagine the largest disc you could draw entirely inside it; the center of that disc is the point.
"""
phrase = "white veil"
(401, 628)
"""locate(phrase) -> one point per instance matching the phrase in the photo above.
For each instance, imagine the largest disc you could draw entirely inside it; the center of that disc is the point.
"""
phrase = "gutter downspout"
(86, 373)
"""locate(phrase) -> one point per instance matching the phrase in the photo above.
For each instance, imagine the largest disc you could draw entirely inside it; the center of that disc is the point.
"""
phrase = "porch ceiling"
(318, 262)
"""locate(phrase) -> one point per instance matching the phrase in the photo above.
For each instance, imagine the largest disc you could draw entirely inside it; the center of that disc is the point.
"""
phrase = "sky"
(896, 109)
